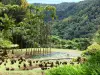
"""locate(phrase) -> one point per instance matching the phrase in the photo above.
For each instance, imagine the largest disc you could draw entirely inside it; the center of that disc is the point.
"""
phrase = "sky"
(52, 1)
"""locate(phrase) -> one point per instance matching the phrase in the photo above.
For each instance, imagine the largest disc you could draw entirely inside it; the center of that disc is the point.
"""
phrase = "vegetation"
(92, 49)
(39, 26)
(24, 24)
(78, 43)
(95, 47)
(91, 67)
(74, 29)
(97, 37)
(79, 20)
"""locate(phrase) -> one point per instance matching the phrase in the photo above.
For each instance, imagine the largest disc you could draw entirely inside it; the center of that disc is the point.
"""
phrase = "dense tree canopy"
(24, 24)
(76, 20)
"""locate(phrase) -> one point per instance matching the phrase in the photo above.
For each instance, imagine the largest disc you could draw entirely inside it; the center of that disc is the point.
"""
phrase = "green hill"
(76, 20)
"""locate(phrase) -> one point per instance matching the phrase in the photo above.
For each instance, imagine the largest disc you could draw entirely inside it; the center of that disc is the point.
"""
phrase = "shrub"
(70, 44)
(92, 49)
(84, 69)
(95, 58)
(66, 70)
(93, 64)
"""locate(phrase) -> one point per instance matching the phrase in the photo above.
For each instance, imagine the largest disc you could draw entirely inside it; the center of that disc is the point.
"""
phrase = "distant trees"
(77, 20)
(76, 43)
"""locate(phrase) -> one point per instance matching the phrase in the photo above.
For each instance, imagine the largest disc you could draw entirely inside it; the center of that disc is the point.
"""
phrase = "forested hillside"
(74, 24)
(77, 20)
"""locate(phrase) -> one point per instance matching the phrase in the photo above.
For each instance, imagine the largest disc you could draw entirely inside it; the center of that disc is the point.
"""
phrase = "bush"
(66, 70)
(85, 69)
(95, 58)
(92, 49)
(93, 64)
(70, 44)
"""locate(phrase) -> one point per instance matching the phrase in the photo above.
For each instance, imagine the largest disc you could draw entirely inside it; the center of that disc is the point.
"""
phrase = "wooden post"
(26, 49)
(31, 51)
(43, 51)
(12, 51)
(34, 51)
(38, 50)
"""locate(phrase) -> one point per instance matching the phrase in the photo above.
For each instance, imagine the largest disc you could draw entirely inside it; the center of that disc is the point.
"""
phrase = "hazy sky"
(52, 1)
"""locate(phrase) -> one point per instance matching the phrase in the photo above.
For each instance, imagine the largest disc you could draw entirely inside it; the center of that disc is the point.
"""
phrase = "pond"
(57, 55)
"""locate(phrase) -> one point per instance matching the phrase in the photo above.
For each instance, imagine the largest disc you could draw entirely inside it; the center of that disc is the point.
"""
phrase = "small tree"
(6, 44)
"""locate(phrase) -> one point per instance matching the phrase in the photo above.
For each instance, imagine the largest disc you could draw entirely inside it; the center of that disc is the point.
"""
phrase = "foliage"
(91, 67)
(7, 23)
(22, 3)
(78, 43)
(95, 58)
(28, 24)
(92, 49)
(75, 70)
(97, 37)
(79, 20)
(65, 70)
(82, 43)
(76, 20)
(55, 41)
(5, 43)
(25, 24)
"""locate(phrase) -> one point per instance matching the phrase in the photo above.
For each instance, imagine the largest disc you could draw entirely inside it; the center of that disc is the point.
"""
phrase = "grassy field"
(34, 71)
(65, 50)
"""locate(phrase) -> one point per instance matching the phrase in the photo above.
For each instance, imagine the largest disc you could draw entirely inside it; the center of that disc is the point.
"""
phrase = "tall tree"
(22, 3)
(7, 23)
